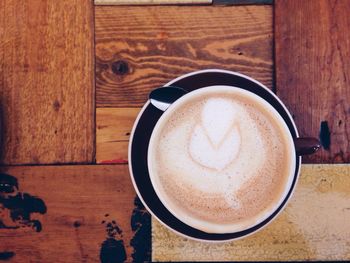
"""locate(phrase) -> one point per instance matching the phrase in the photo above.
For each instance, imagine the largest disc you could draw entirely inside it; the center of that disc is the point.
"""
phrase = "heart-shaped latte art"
(216, 140)
(217, 118)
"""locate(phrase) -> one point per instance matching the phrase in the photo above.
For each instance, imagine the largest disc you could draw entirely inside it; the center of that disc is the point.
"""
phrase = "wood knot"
(120, 67)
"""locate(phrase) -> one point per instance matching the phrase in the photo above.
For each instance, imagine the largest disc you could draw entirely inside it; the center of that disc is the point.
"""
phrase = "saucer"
(141, 134)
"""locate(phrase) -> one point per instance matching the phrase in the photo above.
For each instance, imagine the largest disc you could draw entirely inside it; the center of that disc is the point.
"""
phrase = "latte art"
(219, 159)
(215, 141)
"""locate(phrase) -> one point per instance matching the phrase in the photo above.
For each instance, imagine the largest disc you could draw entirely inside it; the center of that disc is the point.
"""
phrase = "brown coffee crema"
(221, 159)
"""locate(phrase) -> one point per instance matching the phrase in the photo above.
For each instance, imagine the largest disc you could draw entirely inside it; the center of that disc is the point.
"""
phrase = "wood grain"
(182, 2)
(313, 70)
(243, 2)
(150, 2)
(138, 49)
(78, 200)
(46, 81)
(113, 127)
(314, 226)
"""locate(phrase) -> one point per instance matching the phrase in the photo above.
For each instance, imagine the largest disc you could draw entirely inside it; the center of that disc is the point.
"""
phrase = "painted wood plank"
(46, 81)
(91, 215)
(138, 49)
(314, 226)
(313, 71)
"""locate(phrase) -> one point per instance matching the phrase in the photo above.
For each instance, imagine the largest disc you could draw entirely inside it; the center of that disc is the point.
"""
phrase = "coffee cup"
(221, 162)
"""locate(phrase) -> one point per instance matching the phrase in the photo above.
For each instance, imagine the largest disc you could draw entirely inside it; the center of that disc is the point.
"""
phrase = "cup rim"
(297, 164)
(202, 224)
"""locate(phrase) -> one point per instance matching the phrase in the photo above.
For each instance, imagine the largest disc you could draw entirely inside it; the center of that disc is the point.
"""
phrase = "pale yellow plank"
(314, 226)
(113, 127)
(150, 2)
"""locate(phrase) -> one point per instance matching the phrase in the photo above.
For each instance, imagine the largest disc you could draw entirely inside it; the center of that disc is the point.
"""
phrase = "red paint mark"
(118, 161)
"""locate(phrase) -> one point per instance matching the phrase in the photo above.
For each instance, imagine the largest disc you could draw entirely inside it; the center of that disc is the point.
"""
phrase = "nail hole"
(77, 224)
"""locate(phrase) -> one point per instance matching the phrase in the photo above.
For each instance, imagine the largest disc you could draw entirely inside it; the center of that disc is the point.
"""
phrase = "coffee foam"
(216, 138)
(220, 161)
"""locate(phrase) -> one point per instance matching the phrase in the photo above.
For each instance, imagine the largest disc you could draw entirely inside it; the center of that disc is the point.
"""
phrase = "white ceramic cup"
(203, 225)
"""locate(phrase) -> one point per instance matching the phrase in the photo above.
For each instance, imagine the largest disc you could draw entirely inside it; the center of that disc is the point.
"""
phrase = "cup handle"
(306, 145)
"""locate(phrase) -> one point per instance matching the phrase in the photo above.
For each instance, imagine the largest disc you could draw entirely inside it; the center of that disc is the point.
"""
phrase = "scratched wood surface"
(85, 207)
(46, 81)
(313, 71)
(140, 48)
(314, 226)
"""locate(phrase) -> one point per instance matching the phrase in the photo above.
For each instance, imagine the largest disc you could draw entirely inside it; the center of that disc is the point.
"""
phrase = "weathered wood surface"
(313, 71)
(150, 2)
(46, 81)
(81, 201)
(138, 48)
(189, 2)
(113, 128)
(314, 226)
(242, 2)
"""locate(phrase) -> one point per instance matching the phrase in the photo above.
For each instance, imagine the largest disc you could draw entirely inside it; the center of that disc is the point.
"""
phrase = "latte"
(221, 159)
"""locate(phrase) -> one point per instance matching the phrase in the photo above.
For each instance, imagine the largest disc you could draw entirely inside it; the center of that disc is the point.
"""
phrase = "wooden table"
(73, 76)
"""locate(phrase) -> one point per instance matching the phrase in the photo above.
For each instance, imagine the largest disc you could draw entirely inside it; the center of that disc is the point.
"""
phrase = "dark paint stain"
(325, 135)
(112, 249)
(142, 239)
(120, 67)
(6, 255)
(20, 205)
(127, 134)
(56, 105)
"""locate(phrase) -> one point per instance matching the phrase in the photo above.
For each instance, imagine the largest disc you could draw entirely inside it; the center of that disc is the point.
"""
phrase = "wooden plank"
(46, 81)
(138, 49)
(313, 71)
(314, 226)
(242, 2)
(86, 205)
(113, 127)
(189, 2)
(150, 2)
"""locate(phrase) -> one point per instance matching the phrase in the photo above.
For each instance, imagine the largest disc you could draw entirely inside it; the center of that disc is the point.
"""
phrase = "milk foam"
(219, 159)
(216, 139)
